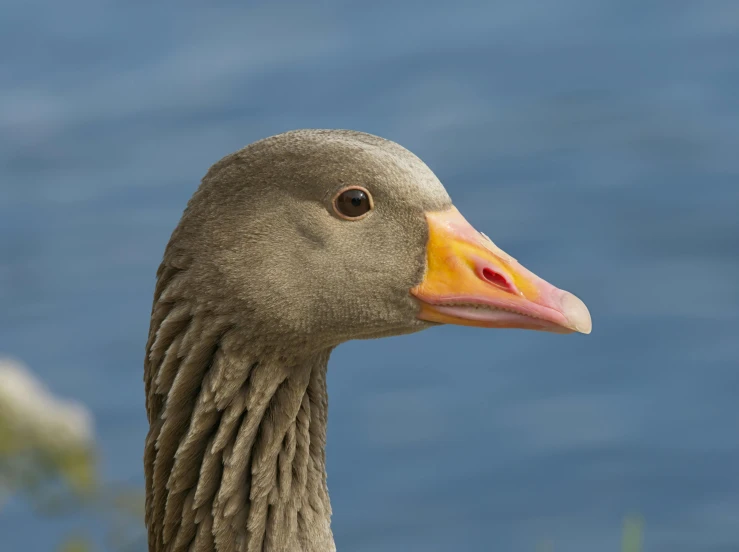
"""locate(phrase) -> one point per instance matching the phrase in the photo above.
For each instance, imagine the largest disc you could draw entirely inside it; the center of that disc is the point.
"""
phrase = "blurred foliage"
(76, 544)
(59, 478)
(632, 534)
(631, 537)
(62, 484)
(59, 482)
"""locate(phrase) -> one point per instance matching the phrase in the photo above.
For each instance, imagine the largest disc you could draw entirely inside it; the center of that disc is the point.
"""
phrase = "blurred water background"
(595, 140)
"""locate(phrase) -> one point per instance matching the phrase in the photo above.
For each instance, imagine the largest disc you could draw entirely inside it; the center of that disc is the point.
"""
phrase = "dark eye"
(353, 203)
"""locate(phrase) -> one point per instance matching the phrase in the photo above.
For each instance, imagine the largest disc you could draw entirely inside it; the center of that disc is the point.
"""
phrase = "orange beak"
(471, 282)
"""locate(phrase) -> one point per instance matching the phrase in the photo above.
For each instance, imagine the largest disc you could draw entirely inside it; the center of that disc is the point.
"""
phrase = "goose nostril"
(498, 280)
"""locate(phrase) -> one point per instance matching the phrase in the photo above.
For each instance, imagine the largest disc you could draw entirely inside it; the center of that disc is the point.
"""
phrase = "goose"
(288, 248)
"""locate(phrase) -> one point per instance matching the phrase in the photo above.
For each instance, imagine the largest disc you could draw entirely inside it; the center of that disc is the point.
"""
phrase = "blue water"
(597, 141)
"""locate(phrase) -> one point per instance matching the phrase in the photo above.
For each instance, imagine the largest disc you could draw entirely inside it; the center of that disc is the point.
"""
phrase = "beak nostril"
(498, 280)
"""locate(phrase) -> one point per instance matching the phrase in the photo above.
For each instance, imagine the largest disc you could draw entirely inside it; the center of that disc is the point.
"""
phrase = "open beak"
(471, 282)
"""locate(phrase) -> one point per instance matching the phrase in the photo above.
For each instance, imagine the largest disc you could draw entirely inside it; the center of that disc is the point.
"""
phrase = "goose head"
(291, 246)
(323, 236)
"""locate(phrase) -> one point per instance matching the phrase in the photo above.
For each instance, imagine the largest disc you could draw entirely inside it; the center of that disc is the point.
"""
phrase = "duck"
(290, 247)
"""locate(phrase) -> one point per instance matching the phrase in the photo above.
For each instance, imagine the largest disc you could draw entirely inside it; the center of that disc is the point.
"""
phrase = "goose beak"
(469, 281)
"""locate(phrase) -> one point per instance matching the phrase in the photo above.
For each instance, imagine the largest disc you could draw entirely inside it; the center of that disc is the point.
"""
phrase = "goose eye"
(353, 203)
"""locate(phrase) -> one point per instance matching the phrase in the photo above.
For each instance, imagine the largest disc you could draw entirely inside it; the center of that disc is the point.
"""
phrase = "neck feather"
(235, 455)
